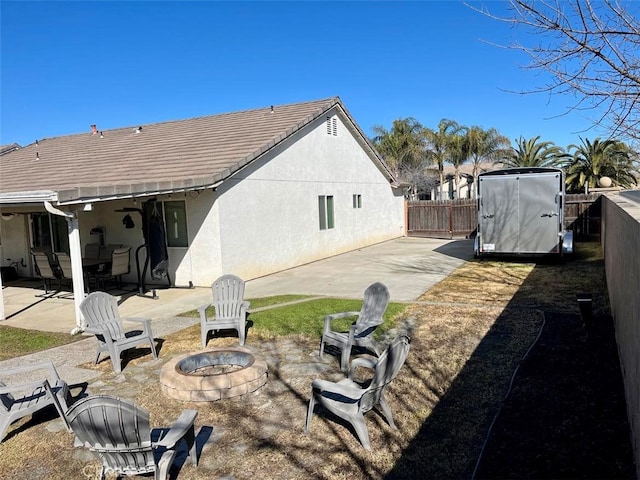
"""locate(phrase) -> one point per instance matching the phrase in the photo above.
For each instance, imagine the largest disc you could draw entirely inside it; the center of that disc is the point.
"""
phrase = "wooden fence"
(458, 218)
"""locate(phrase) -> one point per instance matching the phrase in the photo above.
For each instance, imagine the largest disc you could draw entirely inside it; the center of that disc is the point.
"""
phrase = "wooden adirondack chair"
(19, 399)
(100, 311)
(350, 400)
(230, 308)
(376, 299)
(118, 433)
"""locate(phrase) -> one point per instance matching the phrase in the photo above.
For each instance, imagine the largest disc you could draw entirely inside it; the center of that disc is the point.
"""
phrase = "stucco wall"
(621, 244)
(268, 213)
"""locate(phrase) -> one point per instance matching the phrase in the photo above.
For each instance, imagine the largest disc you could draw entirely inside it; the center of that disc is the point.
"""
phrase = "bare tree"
(591, 49)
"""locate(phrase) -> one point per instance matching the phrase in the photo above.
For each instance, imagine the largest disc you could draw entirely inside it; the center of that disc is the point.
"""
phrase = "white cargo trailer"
(521, 212)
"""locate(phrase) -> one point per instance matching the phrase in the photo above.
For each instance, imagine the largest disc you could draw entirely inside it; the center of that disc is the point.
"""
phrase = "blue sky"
(67, 65)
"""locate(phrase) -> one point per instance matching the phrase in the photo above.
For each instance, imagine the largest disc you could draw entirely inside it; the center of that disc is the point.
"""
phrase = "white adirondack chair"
(350, 400)
(376, 299)
(19, 399)
(100, 311)
(230, 308)
(118, 433)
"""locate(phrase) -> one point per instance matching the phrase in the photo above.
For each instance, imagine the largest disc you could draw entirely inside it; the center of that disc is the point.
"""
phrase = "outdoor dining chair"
(44, 270)
(19, 398)
(100, 311)
(64, 264)
(118, 433)
(350, 400)
(120, 265)
(360, 334)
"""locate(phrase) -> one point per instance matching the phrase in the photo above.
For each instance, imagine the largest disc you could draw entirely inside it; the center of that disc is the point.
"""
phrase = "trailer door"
(539, 210)
(499, 214)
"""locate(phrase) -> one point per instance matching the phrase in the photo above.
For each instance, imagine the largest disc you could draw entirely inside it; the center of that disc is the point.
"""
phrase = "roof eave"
(115, 192)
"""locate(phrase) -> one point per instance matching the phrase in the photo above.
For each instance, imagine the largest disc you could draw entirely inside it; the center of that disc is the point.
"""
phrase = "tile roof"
(182, 154)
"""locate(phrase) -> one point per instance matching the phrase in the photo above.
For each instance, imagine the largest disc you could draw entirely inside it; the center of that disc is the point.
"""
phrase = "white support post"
(75, 254)
(1, 300)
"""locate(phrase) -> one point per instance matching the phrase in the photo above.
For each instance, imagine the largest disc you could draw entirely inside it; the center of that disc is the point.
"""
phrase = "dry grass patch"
(468, 335)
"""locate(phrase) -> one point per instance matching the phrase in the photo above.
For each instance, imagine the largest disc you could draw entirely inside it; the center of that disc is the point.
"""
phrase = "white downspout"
(76, 262)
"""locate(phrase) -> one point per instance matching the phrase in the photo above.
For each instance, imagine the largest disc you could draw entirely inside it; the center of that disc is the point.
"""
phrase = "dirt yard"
(564, 416)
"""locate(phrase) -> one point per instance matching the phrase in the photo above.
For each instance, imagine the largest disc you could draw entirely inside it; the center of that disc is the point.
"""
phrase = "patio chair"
(100, 311)
(64, 264)
(45, 271)
(120, 265)
(350, 400)
(118, 433)
(230, 308)
(376, 299)
(17, 400)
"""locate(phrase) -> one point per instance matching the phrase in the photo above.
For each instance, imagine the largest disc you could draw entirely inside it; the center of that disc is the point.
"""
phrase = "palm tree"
(457, 154)
(402, 147)
(592, 161)
(533, 153)
(437, 144)
(485, 146)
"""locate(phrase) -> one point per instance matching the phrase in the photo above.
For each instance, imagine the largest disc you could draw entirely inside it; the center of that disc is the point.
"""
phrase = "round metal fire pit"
(213, 374)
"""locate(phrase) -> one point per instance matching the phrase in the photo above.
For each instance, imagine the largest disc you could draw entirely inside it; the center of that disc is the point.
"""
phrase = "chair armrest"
(178, 430)
(46, 365)
(362, 362)
(136, 319)
(19, 387)
(336, 391)
(94, 330)
(202, 310)
(329, 318)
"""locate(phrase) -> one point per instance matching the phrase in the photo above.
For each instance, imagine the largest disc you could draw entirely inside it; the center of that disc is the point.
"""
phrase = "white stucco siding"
(269, 212)
(202, 263)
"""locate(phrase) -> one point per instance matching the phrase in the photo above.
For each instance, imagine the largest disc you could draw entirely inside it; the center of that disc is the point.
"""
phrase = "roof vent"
(272, 110)
(138, 130)
(94, 129)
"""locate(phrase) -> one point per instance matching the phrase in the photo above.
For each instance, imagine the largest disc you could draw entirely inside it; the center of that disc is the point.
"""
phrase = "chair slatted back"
(100, 310)
(120, 261)
(64, 261)
(387, 367)
(116, 430)
(228, 294)
(44, 267)
(374, 304)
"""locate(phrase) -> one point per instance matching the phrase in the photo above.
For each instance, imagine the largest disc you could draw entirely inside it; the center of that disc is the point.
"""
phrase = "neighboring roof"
(8, 148)
(160, 157)
(466, 169)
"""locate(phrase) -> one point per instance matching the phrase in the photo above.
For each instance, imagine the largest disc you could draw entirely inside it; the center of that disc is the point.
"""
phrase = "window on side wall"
(325, 209)
(175, 219)
(357, 200)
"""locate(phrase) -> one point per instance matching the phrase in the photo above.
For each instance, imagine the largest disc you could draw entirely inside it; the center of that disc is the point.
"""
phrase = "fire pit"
(213, 374)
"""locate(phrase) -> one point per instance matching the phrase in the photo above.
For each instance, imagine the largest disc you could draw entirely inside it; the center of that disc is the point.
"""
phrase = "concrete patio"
(407, 266)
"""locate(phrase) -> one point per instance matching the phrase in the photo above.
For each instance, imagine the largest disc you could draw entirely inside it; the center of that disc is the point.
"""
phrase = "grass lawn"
(15, 342)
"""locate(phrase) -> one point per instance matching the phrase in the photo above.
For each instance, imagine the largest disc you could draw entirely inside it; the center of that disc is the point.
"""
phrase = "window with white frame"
(357, 200)
(175, 220)
(325, 209)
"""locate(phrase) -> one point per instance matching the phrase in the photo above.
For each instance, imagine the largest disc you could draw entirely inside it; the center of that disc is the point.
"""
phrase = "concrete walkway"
(407, 266)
